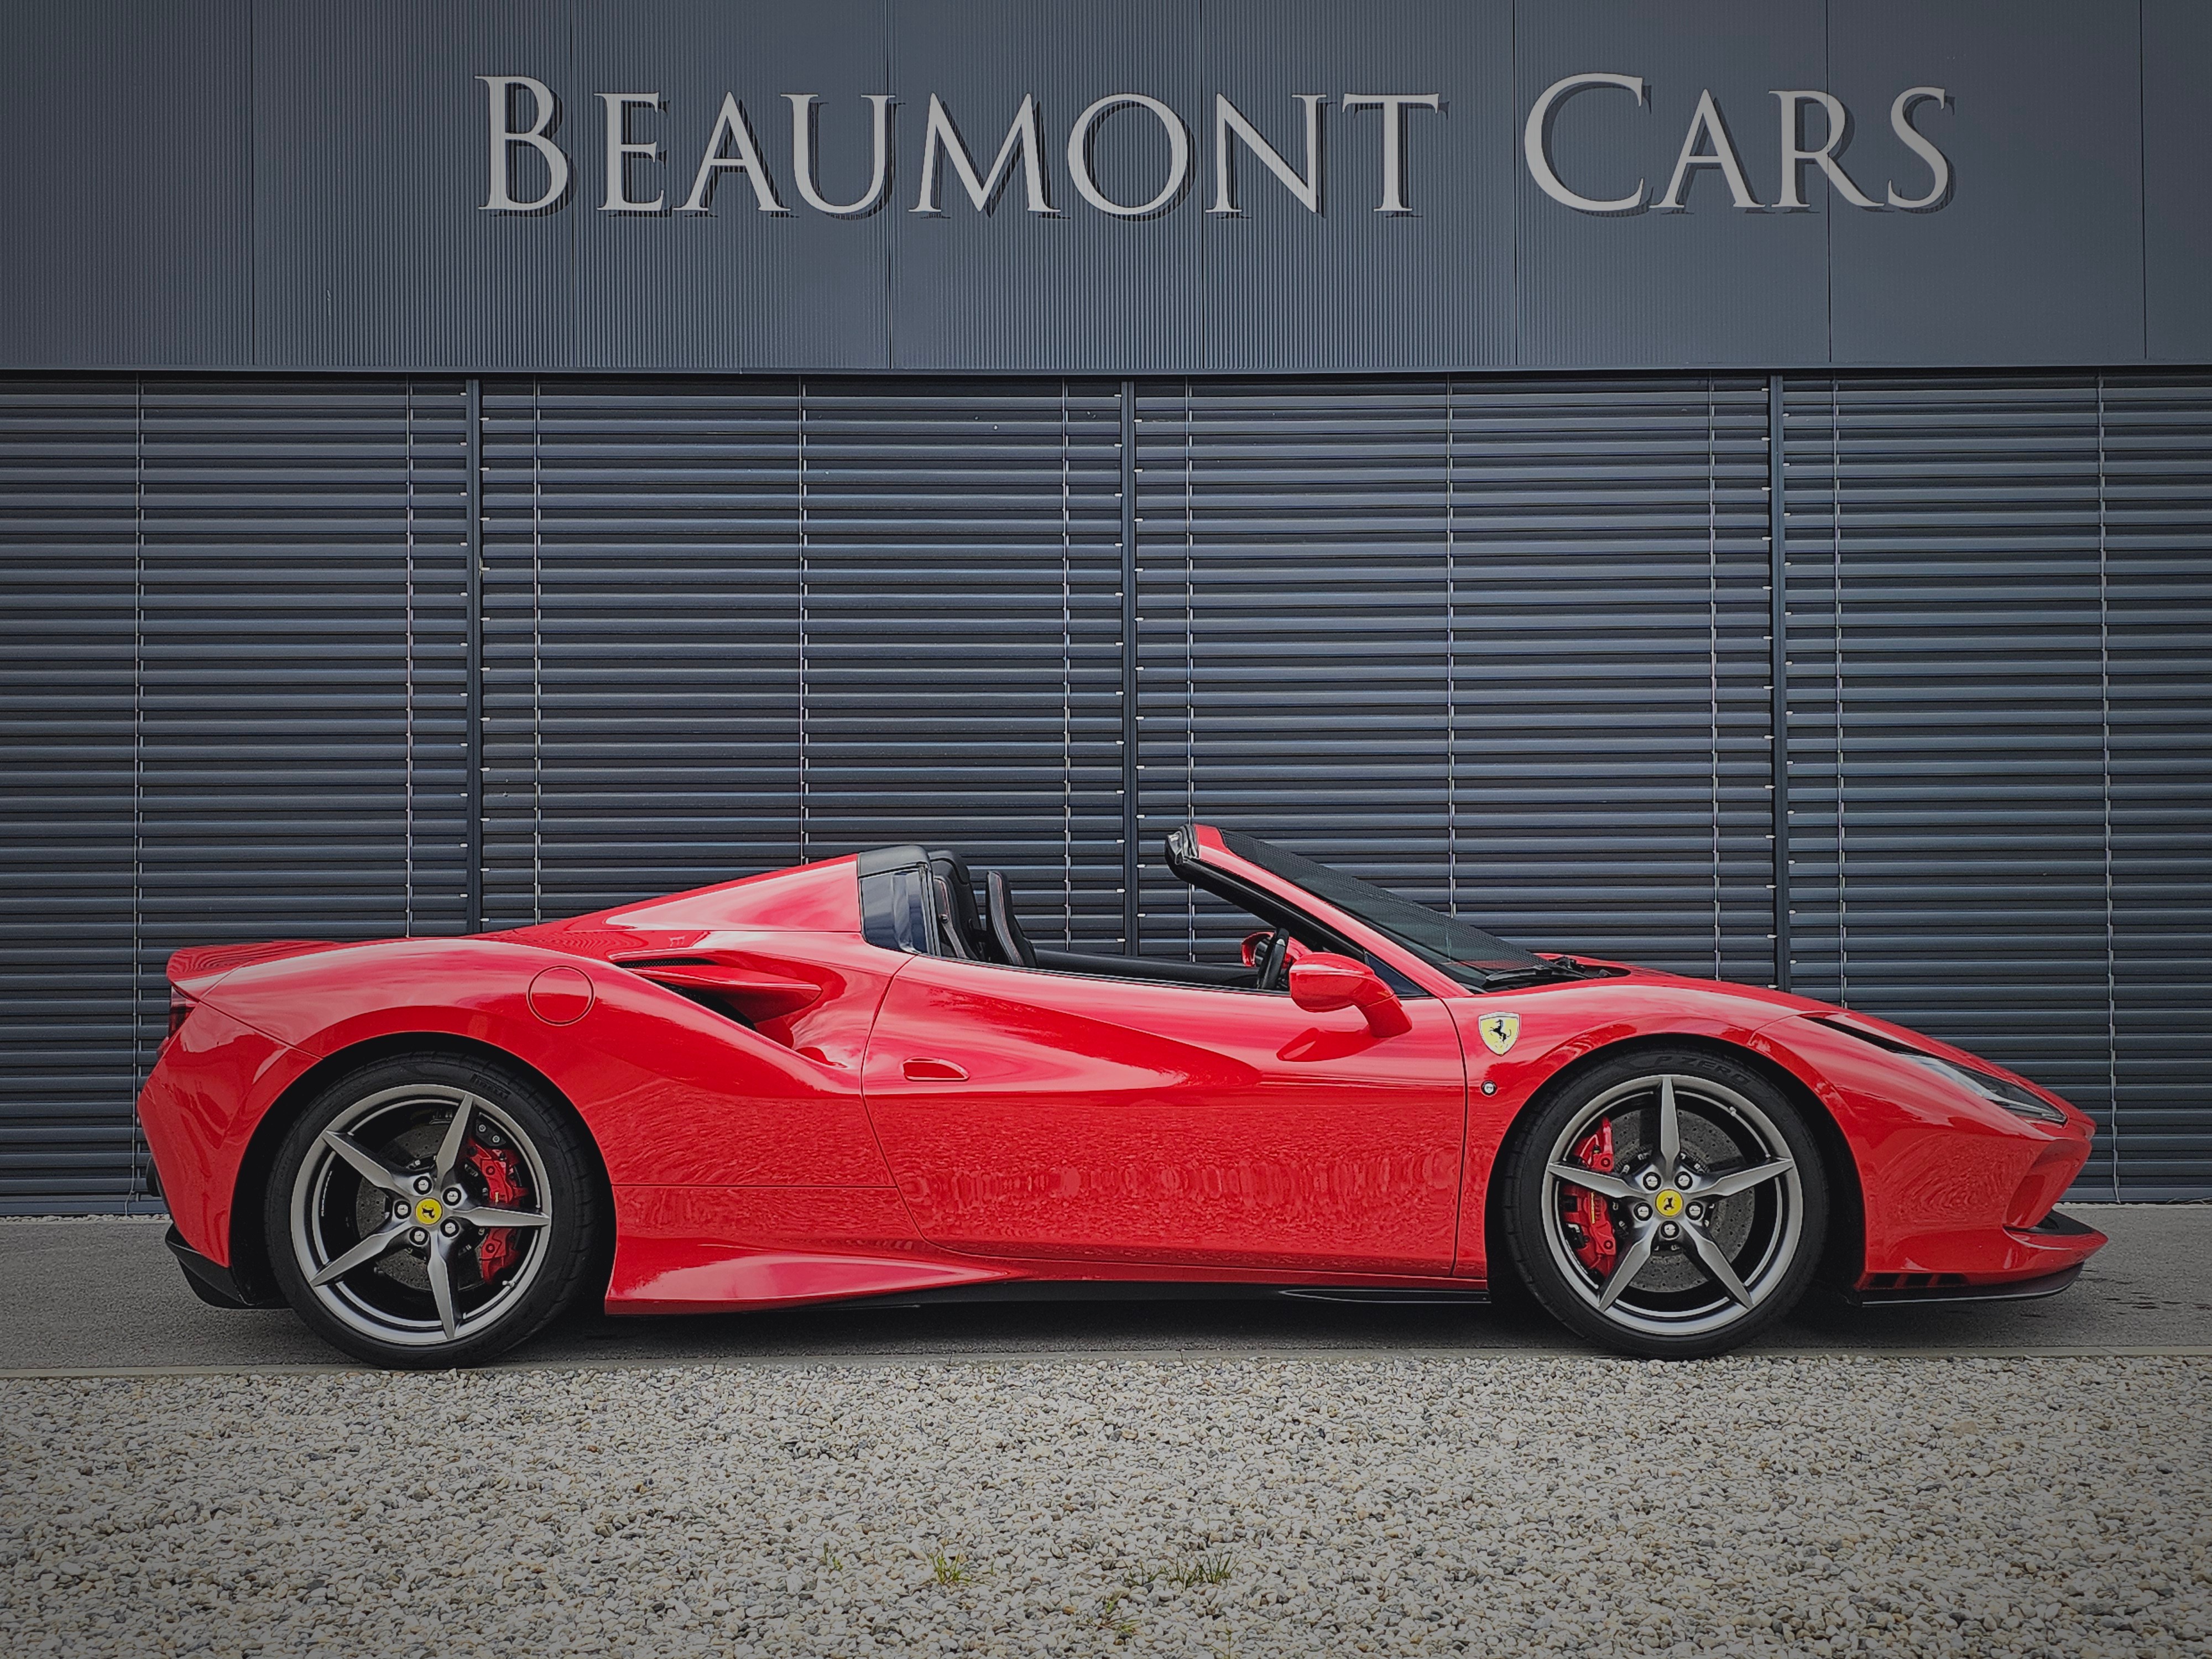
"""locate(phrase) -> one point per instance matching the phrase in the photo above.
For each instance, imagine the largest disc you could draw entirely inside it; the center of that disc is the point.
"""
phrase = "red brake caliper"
(495, 1166)
(1589, 1222)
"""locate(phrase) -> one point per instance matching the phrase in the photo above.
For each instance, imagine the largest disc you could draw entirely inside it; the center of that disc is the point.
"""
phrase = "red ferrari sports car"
(860, 1078)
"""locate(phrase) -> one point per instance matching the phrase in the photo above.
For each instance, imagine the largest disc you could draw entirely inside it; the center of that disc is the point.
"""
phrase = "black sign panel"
(1178, 186)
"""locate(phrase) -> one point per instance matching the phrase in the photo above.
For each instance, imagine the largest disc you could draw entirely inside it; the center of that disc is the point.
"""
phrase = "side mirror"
(1324, 982)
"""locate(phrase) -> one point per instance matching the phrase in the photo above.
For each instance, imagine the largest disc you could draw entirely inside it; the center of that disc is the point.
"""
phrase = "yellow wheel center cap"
(429, 1212)
(1669, 1202)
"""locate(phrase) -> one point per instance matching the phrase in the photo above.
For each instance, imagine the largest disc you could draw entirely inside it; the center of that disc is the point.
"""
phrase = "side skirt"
(1138, 1289)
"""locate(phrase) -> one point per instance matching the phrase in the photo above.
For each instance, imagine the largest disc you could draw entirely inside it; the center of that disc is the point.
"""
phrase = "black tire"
(456, 1290)
(1712, 1218)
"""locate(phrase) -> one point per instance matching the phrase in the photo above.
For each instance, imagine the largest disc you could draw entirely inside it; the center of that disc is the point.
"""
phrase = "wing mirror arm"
(1324, 982)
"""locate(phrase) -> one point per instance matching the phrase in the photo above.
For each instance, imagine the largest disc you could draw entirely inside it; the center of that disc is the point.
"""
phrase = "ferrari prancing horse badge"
(1498, 1031)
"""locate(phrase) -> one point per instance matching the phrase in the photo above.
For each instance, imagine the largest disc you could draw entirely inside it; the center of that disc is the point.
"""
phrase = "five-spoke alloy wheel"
(428, 1211)
(1667, 1204)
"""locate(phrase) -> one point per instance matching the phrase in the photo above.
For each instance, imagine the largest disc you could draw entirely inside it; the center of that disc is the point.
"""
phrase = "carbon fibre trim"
(2025, 1290)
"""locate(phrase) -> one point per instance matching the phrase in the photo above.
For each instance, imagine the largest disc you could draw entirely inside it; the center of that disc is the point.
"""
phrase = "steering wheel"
(1275, 961)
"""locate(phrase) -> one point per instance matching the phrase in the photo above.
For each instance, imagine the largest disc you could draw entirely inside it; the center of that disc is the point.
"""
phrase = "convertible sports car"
(852, 1079)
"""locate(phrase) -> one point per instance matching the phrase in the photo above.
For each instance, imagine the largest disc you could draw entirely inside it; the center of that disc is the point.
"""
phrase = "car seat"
(1005, 927)
(949, 872)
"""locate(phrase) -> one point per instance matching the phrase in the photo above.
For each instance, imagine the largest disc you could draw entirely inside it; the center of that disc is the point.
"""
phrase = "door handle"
(934, 1071)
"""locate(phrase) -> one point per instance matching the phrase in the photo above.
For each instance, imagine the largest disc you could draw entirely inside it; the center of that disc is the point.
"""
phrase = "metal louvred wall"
(251, 601)
(1502, 642)
(2158, 608)
(1501, 645)
(1997, 734)
(303, 645)
(959, 551)
(1293, 631)
(640, 640)
(70, 1022)
(730, 626)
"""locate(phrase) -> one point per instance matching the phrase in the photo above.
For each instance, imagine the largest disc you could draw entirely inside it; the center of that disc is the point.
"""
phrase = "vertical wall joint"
(1129, 849)
(474, 711)
(1778, 670)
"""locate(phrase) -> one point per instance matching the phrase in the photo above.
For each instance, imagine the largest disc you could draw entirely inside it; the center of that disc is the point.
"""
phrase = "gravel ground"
(1500, 1504)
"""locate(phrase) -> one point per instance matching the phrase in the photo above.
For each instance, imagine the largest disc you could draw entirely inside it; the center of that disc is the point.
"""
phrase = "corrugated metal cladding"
(1502, 644)
(1507, 644)
(732, 626)
(234, 698)
(2000, 721)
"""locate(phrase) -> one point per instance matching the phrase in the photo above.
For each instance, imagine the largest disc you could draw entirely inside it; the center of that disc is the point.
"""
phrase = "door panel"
(1112, 1120)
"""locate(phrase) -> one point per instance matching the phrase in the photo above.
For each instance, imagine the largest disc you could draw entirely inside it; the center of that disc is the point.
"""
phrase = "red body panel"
(715, 1248)
(1941, 1170)
(674, 1093)
(1025, 1114)
(215, 1081)
(893, 1122)
(808, 898)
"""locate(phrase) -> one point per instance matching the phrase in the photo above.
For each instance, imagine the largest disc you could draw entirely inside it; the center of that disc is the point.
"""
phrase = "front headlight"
(2000, 1091)
(2010, 1095)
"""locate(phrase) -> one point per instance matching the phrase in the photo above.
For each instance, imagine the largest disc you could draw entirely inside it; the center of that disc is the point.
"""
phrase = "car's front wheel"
(428, 1210)
(1669, 1205)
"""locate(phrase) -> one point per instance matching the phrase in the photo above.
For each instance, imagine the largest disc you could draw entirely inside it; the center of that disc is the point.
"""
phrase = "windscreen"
(1468, 954)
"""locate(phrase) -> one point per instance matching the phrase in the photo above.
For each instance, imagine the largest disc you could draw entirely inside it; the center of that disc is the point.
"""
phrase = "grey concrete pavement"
(105, 1295)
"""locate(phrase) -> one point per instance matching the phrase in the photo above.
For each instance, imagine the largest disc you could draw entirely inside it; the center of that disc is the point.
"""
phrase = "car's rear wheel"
(428, 1210)
(1669, 1205)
